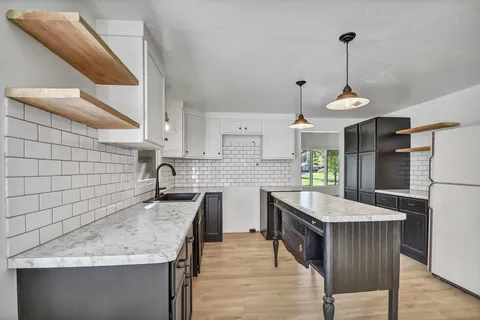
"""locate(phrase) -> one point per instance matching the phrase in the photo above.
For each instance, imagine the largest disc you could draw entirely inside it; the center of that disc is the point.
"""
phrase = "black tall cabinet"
(370, 158)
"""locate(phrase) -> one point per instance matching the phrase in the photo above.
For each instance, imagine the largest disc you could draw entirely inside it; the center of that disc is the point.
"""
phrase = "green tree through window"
(319, 167)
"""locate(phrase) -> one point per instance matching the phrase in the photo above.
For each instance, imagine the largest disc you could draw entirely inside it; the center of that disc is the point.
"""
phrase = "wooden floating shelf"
(70, 37)
(430, 127)
(73, 104)
(416, 149)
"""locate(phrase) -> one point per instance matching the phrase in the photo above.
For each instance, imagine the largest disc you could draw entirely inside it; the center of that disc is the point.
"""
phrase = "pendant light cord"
(301, 94)
(347, 63)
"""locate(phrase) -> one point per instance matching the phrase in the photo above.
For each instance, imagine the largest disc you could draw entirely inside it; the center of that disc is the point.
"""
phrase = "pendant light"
(301, 122)
(347, 99)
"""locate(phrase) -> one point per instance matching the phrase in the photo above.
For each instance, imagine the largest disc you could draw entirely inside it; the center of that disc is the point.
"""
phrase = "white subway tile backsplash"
(21, 205)
(38, 219)
(419, 170)
(59, 177)
(87, 218)
(61, 152)
(23, 242)
(71, 196)
(50, 135)
(14, 187)
(14, 147)
(38, 185)
(50, 200)
(79, 128)
(50, 232)
(15, 226)
(61, 122)
(86, 142)
(20, 129)
(61, 183)
(62, 213)
(14, 108)
(71, 224)
(38, 150)
(79, 154)
(70, 139)
(50, 167)
(37, 115)
(79, 181)
(70, 167)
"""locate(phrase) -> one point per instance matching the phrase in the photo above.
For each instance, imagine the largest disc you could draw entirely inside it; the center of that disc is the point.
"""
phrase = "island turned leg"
(393, 304)
(276, 216)
(328, 307)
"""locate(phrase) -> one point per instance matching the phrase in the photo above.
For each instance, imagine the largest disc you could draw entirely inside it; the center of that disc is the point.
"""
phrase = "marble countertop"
(142, 234)
(328, 208)
(281, 189)
(418, 194)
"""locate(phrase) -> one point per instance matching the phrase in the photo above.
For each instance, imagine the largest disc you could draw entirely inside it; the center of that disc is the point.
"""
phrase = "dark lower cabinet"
(367, 198)
(414, 236)
(414, 241)
(213, 217)
(199, 240)
(351, 195)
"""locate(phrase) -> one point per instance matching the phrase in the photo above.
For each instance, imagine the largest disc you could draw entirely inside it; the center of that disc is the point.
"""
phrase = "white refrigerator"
(455, 207)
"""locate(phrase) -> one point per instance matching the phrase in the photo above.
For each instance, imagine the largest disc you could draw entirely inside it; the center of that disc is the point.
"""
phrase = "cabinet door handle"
(204, 153)
(314, 222)
(219, 153)
(293, 153)
(181, 263)
(166, 139)
(191, 239)
(300, 248)
(239, 128)
(186, 151)
(283, 231)
(245, 128)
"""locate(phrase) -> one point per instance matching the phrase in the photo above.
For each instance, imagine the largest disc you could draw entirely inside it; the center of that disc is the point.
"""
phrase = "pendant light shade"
(347, 99)
(301, 122)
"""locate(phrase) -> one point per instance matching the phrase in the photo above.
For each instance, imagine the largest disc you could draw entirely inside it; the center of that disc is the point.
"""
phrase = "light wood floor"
(238, 281)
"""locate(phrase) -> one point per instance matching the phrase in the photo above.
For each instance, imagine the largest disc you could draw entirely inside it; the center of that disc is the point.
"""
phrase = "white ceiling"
(245, 56)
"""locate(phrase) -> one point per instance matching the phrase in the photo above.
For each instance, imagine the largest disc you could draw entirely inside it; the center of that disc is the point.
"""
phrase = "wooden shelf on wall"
(416, 149)
(70, 37)
(73, 104)
(430, 127)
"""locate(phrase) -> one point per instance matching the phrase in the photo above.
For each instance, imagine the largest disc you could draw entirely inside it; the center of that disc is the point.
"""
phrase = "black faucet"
(157, 185)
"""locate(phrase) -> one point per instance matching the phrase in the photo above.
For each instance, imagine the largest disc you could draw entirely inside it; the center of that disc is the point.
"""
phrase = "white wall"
(323, 125)
(24, 62)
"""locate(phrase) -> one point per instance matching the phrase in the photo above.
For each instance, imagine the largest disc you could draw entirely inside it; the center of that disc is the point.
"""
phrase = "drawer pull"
(283, 231)
(314, 222)
(300, 248)
(411, 204)
(191, 239)
(181, 263)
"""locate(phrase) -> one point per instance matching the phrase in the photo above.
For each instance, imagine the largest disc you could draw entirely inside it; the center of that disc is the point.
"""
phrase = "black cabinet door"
(188, 291)
(213, 217)
(351, 195)
(415, 236)
(367, 198)
(366, 136)
(351, 139)
(351, 171)
(366, 172)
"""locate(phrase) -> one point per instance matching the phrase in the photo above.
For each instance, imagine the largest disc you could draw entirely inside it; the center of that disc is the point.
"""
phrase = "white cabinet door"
(232, 126)
(155, 101)
(194, 135)
(252, 126)
(278, 140)
(213, 139)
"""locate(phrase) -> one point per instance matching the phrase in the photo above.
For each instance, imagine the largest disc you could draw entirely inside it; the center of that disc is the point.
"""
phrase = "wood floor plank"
(238, 282)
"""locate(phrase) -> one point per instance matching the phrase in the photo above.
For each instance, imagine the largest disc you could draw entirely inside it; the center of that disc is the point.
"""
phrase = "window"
(319, 167)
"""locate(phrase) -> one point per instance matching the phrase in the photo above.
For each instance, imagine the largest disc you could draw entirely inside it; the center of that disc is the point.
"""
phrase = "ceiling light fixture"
(301, 122)
(347, 99)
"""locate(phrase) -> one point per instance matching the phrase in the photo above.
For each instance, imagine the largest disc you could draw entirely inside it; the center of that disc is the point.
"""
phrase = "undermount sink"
(174, 197)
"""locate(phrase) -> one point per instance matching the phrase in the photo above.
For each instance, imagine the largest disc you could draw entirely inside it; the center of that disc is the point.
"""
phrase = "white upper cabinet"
(213, 139)
(242, 126)
(232, 126)
(144, 103)
(194, 135)
(252, 126)
(278, 140)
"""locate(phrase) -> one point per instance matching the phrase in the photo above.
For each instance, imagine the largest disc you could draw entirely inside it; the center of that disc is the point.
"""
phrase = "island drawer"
(294, 243)
(293, 223)
(413, 205)
(387, 200)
